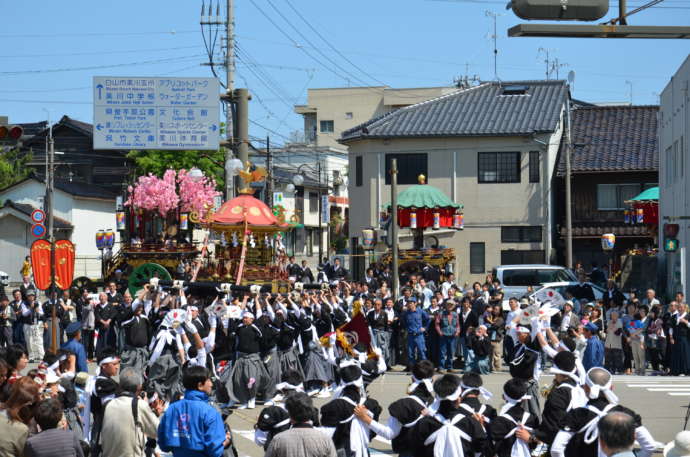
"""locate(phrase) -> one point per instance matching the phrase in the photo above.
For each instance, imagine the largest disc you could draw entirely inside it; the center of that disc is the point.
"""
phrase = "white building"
(80, 211)
(301, 203)
(674, 179)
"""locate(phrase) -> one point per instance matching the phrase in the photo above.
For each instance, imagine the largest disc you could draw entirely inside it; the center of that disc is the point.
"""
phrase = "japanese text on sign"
(156, 113)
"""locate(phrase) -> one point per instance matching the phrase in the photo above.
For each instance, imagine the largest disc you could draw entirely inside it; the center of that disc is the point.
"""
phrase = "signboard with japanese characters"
(156, 113)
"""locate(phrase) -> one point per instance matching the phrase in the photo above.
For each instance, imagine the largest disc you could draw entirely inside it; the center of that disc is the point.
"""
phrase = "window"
(534, 166)
(499, 167)
(326, 126)
(515, 89)
(359, 171)
(521, 257)
(611, 197)
(668, 167)
(410, 166)
(477, 261)
(313, 202)
(348, 115)
(520, 234)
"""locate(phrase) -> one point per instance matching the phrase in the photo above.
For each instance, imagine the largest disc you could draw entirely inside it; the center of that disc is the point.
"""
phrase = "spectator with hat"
(74, 345)
(594, 351)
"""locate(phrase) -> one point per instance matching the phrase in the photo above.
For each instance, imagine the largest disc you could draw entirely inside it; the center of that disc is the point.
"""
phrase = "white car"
(565, 286)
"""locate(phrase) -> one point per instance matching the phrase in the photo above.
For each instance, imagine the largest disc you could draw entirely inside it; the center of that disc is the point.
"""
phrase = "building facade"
(492, 148)
(614, 158)
(329, 112)
(674, 179)
(80, 210)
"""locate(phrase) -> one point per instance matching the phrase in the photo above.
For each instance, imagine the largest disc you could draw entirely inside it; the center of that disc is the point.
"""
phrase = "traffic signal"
(670, 244)
(11, 132)
(561, 10)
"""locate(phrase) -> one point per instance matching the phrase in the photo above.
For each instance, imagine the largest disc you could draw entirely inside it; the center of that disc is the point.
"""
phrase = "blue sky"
(51, 50)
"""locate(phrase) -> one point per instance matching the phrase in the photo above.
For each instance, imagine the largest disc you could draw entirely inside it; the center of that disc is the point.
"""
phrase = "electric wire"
(97, 67)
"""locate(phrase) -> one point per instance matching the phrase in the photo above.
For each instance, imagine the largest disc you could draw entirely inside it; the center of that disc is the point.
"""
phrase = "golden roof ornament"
(249, 176)
(421, 179)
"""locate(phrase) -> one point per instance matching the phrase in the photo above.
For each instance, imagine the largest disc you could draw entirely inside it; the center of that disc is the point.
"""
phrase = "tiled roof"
(484, 110)
(78, 189)
(613, 138)
(60, 224)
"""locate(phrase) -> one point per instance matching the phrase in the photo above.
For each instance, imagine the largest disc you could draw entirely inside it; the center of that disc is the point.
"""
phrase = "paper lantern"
(184, 221)
(437, 220)
(120, 220)
(640, 216)
(99, 240)
(458, 221)
(368, 238)
(413, 220)
(626, 216)
(109, 238)
(608, 241)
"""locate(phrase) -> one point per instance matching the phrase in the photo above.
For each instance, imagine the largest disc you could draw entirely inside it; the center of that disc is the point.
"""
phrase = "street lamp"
(298, 179)
(196, 174)
(232, 165)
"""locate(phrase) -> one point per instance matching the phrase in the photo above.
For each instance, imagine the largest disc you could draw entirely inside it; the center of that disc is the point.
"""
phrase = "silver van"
(515, 279)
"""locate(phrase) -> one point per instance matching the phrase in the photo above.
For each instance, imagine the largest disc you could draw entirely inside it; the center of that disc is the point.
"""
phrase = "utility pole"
(229, 88)
(241, 98)
(568, 203)
(394, 229)
(318, 170)
(50, 186)
(269, 170)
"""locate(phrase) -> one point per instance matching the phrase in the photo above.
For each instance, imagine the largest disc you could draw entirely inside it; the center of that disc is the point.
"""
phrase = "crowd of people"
(172, 362)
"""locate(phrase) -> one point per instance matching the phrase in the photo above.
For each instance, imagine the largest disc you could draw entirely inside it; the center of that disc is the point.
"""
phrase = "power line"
(269, 130)
(90, 53)
(98, 34)
(328, 43)
(97, 67)
(321, 53)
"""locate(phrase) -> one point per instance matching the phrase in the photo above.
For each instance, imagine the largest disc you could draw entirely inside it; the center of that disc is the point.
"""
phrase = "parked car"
(515, 279)
(571, 286)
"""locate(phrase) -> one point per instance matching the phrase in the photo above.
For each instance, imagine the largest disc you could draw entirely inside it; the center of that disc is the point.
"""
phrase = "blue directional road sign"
(156, 113)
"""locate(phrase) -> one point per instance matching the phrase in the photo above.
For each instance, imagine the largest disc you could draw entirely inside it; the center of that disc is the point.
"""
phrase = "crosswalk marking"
(666, 385)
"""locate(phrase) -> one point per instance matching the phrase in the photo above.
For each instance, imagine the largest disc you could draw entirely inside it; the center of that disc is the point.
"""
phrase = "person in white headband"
(472, 389)
(405, 412)
(448, 430)
(512, 429)
(579, 435)
(350, 434)
(275, 419)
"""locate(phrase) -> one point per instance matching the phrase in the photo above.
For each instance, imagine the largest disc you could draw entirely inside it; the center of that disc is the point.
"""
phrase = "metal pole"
(568, 203)
(394, 221)
(318, 167)
(269, 169)
(229, 87)
(242, 100)
(622, 6)
(51, 238)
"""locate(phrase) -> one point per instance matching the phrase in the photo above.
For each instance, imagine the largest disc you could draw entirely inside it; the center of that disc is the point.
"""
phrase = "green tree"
(13, 166)
(157, 161)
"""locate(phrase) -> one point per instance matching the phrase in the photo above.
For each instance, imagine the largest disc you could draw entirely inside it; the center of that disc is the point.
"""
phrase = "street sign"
(155, 113)
(670, 244)
(38, 216)
(38, 230)
(325, 210)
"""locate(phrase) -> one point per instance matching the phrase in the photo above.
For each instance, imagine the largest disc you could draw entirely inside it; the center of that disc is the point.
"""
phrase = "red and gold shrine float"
(250, 242)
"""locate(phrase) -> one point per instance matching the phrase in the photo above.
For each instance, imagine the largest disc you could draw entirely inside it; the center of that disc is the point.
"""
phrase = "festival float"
(422, 207)
(242, 244)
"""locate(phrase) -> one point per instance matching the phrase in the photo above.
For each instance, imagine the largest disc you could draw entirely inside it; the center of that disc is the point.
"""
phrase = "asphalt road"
(660, 400)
